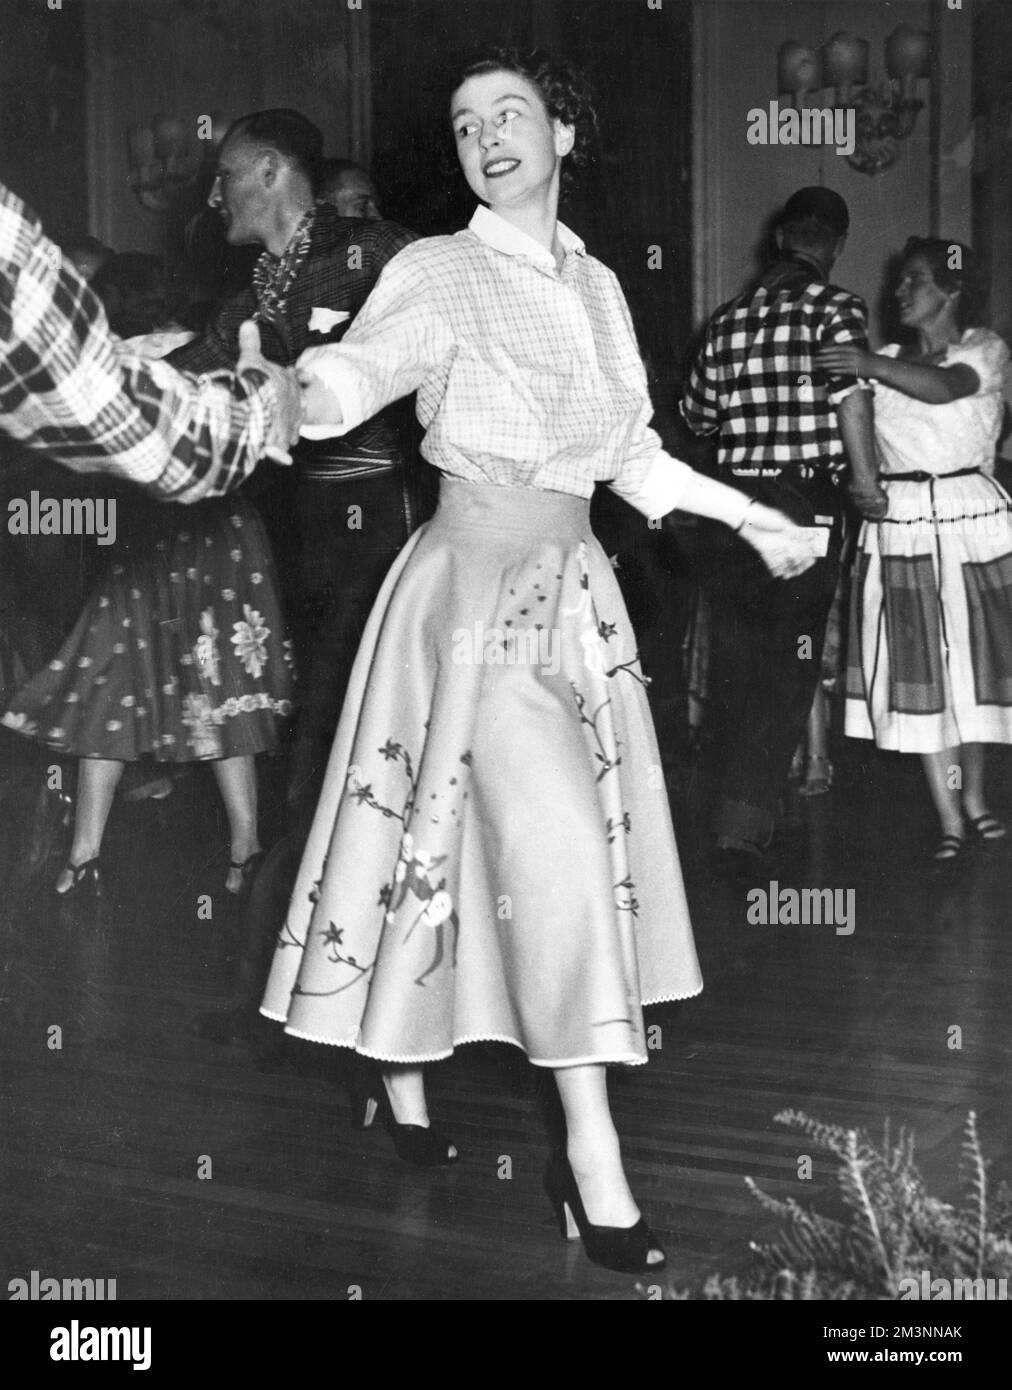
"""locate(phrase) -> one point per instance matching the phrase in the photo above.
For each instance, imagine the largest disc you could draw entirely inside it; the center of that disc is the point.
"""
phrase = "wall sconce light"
(886, 109)
(162, 157)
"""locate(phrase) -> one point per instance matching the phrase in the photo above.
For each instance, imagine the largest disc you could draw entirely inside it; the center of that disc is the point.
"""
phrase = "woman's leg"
(818, 771)
(938, 768)
(237, 782)
(818, 725)
(97, 780)
(972, 762)
(405, 1088)
(592, 1146)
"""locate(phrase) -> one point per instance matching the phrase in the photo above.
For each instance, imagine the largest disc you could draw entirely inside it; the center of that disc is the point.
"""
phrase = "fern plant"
(892, 1230)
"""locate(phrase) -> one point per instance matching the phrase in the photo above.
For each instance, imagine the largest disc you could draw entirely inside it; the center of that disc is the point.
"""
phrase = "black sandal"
(948, 849)
(246, 870)
(988, 827)
(85, 882)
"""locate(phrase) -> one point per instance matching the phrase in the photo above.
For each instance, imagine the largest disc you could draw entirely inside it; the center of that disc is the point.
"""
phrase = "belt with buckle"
(919, 476)
(805, 471)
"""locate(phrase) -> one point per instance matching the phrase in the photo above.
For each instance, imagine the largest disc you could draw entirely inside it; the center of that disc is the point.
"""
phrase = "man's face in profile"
(354, 195)
(238, 193)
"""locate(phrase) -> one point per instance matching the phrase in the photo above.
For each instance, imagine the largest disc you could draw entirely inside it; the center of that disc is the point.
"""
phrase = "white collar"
(502, 236)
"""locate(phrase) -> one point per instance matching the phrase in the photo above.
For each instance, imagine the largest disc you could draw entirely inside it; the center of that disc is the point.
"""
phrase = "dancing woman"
(930, 663)
(179, 654)
(493, 857)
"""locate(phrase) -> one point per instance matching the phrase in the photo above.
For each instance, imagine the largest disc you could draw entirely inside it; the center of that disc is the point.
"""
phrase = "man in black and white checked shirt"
(785, 435)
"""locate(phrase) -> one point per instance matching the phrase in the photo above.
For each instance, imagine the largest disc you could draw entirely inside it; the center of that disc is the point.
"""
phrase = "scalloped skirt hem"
(628, 1060)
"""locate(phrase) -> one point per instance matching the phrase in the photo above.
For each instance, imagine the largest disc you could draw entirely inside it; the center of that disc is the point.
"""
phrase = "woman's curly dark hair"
(966, 276)
(564, 89)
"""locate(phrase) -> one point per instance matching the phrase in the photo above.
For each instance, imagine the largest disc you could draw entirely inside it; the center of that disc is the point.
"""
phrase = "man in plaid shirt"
(71, 390)
(340, 519)
(785, 435)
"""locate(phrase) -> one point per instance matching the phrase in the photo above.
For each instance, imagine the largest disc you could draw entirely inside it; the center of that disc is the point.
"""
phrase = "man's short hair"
(821, 204)
(814, 217)
(287, 133)
(809, 234)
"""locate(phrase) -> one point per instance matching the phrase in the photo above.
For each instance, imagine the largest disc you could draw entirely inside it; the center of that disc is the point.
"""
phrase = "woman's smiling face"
(508, 145)
(921, 300)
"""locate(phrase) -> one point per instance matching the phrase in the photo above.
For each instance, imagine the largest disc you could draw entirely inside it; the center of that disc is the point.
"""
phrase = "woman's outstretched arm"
(671, 485)
(397, 339)
(935, 385)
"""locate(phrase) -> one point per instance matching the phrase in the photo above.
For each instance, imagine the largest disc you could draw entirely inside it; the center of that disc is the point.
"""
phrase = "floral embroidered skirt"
(930, 657)
(180, 652)
(492, 858)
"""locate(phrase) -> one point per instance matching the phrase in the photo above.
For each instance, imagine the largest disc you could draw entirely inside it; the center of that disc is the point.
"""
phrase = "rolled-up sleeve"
(647, 478)
(846, 324)
(699, 403)
(653, 481)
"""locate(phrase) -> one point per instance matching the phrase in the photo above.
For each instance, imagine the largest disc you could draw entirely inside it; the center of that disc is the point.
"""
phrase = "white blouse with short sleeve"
(527, 376)
(916, 436)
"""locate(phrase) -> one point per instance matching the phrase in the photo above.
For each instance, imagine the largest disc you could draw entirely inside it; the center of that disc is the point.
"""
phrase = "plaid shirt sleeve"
(699, 400)
(846, 322)
(72, 390)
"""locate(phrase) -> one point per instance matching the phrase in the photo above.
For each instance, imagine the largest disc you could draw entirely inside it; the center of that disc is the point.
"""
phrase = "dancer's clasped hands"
(786, 550)
(289, 412)
(320, 407)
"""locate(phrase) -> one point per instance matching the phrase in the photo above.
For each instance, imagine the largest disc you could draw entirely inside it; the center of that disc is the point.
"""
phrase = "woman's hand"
(319, 405)
(844, 359)
(786, 550)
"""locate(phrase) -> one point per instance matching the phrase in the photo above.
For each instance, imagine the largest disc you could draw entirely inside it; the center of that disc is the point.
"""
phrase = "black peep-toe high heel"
(621, 1248)
(426, 1148)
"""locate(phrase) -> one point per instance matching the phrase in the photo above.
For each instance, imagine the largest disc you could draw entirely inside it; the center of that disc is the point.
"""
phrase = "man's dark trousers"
(349, 531)
(766, 655)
